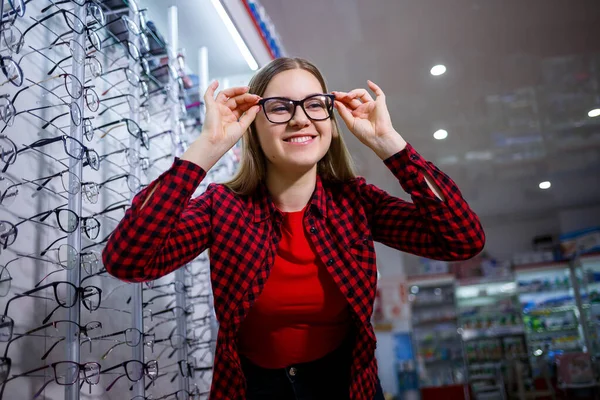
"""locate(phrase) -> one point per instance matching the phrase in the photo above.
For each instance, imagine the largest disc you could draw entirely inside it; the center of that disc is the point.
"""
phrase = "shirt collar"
(264, 207)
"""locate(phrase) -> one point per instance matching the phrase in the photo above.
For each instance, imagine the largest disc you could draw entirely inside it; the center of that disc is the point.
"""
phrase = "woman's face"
(300, 143)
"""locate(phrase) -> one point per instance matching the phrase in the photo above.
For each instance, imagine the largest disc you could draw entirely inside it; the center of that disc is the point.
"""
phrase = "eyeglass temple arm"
(27, 373)
(48, 123)
(47, 276)
(40, 143)
(102, 271)
(38, 22)
(51, 313)
(24, 294)
(113, 382)
(52, 348)
(103, 156)
(109, 107)
(97, 244)
(158, 296)
(153, 380)
(47, 179)
(160, 134)
(110, 209)
(108, 335)
(113, 178)
(104, 371)
(40, 391)
(46, 214)
(57, 65)
(110, 349)
(110, 123)
(43, 253)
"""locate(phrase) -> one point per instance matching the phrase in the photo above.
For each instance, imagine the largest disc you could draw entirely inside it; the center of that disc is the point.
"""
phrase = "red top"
(241, 232)
(300, 315)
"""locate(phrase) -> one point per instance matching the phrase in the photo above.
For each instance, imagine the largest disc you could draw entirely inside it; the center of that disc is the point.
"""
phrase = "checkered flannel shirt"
(242, 234)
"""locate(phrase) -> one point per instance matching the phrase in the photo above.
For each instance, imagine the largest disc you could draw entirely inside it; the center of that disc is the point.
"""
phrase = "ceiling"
(521, 77)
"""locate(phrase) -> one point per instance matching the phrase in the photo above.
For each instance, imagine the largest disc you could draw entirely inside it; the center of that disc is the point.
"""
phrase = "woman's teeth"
(299, 139)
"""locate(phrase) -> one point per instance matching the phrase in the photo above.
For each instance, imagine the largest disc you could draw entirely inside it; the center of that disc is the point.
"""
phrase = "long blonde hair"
(335, 166)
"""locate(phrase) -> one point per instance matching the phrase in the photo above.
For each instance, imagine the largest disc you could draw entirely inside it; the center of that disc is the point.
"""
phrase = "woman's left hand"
(369, 120)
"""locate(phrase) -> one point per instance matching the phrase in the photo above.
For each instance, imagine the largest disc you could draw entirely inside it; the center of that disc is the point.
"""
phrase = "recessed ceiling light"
(594, 113)
(545, 185)
(438, 70)
(440, 134)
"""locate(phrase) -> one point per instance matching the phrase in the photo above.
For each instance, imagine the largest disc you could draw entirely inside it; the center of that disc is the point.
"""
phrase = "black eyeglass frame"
(297, 103)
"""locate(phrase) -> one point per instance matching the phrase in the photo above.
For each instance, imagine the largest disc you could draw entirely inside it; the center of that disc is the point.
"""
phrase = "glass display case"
(437, 342)
(491, 327)
(590, 293)
(550, 314)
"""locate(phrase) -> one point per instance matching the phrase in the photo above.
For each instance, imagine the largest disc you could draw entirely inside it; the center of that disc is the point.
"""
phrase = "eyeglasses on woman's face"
(281, 110)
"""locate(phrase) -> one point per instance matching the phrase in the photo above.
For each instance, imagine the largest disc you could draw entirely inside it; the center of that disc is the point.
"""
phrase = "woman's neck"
(291, 192)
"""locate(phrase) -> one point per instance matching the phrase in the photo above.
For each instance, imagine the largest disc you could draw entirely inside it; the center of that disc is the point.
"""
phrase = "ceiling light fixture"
(438, 70)
(545, 185)
(594, 113)
(237, 38)
(440, 134)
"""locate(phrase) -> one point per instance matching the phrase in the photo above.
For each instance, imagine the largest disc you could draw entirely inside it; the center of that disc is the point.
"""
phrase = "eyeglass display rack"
(73, 349)
(492, 333)
(438, 350)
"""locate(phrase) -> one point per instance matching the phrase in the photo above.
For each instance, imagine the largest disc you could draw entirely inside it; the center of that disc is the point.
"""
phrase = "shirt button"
(292, 371)
(330, 261)
(313, 230)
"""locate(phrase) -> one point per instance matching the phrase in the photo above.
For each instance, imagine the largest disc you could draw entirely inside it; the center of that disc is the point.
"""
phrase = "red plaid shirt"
(343, 220)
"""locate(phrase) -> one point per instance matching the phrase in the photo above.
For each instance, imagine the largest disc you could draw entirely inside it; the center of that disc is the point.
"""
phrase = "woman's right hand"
(227, 118)
(229, 115)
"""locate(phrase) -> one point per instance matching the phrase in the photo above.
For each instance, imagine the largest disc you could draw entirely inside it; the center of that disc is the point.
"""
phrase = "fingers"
(241, 109)
(209, 95)
(247, 118)
(344, 112)
(239, 100)
(376, 89)
(360, 94)
(227, 94)
(350, 101)
(224, 95)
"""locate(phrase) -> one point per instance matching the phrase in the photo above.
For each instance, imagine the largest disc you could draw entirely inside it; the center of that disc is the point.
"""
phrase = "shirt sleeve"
(429, 227)
(167, 232)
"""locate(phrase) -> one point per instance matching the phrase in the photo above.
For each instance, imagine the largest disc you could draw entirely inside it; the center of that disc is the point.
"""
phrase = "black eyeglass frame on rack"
(75, 293)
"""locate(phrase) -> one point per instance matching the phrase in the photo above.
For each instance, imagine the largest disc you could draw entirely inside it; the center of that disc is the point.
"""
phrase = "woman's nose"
(300, 118)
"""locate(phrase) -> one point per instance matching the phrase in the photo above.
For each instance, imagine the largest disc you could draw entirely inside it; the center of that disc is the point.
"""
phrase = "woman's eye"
(279, 109)
(316, 105)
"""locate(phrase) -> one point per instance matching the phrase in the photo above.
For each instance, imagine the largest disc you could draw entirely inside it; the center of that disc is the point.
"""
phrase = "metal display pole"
(74, 204)
(137, 313)
(177, 151)
(202, 86)
(203, 79)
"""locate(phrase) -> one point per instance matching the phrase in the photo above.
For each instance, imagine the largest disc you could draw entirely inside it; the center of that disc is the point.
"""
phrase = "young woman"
(291, 236)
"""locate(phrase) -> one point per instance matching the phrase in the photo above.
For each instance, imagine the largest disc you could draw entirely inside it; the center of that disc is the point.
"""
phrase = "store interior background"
(520, 80)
